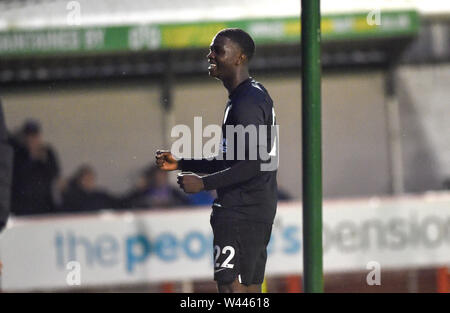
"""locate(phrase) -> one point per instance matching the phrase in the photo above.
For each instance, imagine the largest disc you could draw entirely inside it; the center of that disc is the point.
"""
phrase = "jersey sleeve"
(202, 166)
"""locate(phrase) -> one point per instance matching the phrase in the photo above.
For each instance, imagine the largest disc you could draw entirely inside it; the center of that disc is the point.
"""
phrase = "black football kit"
(245, 179)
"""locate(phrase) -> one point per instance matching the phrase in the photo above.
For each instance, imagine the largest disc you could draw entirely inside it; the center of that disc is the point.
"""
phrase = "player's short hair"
(240, 37)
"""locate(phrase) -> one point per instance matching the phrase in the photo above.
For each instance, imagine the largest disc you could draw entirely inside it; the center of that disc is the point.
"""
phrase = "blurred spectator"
(283, 195)
(6, 158)
(82, 193)
(35, 171)
(446, 184)
(154, 190)
(204, 197)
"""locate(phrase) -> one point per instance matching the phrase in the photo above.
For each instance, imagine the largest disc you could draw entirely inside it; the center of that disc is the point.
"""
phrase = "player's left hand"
(190, 183)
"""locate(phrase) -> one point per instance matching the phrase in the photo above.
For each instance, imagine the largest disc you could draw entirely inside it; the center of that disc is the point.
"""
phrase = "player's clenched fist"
(165, 160)
(190, 183)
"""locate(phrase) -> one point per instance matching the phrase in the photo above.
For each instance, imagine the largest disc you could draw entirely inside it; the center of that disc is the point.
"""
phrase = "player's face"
(223, 57)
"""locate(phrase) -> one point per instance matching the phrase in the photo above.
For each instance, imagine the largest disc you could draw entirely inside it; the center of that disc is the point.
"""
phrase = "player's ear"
(242, 59)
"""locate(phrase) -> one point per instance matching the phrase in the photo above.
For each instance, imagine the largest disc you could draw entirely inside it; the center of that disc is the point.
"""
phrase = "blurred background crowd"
(39, 188)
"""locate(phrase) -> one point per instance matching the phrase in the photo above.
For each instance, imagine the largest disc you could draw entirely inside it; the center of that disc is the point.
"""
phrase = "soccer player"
(244, 210)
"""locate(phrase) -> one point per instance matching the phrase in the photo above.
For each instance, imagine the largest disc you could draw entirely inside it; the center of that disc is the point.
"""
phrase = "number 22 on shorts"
(226, 250)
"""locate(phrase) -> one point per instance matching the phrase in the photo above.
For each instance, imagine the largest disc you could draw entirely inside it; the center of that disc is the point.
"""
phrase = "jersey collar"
(240, 87)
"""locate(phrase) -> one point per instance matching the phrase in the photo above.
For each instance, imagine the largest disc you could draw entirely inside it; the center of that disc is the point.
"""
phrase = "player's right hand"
(165, 160)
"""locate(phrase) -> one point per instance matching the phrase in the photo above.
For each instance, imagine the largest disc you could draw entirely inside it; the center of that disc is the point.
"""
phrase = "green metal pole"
(312, 147)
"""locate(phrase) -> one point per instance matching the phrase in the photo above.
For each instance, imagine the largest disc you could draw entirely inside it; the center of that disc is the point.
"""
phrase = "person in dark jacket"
(6, 159)
(35, 171)
(82, 193)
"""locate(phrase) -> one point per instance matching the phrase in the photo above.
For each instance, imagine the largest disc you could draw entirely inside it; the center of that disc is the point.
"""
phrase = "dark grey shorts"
(239, 250)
